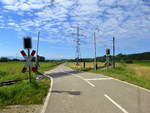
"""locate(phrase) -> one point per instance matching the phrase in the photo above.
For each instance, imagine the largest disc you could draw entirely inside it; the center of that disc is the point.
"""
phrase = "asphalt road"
(83, 92)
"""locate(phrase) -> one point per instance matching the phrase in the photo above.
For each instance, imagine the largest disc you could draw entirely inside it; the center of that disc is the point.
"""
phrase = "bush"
(4, 59)
(129, 61)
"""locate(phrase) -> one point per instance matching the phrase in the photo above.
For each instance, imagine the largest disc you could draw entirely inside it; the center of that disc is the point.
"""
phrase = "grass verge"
(138, 73)
(125, 73)
(88, 66)
(23, 92)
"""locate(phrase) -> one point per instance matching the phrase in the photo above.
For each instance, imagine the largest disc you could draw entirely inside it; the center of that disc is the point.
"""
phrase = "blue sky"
(127, 20)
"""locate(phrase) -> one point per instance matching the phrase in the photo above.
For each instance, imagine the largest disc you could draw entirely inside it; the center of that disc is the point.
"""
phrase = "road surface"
(83, 92)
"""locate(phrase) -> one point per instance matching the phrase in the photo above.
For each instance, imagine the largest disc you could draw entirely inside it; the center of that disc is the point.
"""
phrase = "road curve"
(83, 92)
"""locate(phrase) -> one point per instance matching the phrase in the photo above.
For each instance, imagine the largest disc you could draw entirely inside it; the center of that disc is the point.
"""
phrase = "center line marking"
(116, 104)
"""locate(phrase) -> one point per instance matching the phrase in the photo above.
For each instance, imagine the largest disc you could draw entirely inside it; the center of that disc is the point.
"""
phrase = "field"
(23, 92)
(137, 73)
(88, 65)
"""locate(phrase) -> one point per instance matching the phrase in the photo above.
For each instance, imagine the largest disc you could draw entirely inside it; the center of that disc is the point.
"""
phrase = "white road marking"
(116, 104)
(82, 79)
(90, 83)
(86, 81)
(99, 79)
(48, 97)
(130, 84)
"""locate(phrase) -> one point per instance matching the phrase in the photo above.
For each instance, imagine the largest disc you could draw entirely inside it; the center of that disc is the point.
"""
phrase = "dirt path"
(22, 109)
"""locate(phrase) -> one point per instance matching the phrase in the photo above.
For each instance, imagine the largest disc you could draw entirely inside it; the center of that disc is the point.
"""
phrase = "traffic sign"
(28, 61)
(108, 51)
(27, 43)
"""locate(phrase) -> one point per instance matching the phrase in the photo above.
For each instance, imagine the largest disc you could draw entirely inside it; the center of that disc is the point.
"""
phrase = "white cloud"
(107, 2)
(24, 6)
(8, 2)
(48, 40)
(121, 18)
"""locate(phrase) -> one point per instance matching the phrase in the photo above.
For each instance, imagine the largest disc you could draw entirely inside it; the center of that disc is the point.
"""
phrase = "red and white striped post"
(34, 69)
(25, 56)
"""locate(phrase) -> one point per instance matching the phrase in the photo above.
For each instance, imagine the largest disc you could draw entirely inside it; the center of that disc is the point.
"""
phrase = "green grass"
(12, 70)
(123, 73)
(137, 73)
(23, 92)
(142, 63)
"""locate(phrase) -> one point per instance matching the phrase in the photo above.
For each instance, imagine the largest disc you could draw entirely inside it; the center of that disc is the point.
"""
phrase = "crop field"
(137, 73)
(88, 65)
(23, 92)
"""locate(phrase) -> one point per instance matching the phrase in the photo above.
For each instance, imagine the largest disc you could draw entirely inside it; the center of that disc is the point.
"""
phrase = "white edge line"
(130, 84)
(86, 81)
(48, 97)
(123, 82)
(122, 109)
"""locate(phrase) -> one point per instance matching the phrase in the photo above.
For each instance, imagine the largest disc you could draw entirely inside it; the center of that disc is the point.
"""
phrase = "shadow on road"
(68, 92)
(61, 74)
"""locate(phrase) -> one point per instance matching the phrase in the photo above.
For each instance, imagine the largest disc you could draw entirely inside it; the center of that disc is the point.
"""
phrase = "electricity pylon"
(78, 43)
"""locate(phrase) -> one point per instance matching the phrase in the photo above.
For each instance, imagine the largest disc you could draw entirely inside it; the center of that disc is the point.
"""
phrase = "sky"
(57, 20)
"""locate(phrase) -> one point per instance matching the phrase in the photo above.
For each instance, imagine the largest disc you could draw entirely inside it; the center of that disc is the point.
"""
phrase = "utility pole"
(95, 60)
(77, 46)
(37, 56)
(114, 52)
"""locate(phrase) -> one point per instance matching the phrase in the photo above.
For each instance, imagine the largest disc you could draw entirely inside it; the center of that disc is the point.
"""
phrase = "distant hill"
(137, 56)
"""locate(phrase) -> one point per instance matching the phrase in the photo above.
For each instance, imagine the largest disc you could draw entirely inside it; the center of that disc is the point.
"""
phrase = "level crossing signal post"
(107, 63)
(28, 46)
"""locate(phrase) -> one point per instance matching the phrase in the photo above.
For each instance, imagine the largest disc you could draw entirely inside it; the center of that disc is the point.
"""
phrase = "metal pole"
(106, 64)
(107, 58)
(29, 67)
(106, 61)
(114, 52)
(77, 48)
(37, 57)
(84, 64)
(95, 62)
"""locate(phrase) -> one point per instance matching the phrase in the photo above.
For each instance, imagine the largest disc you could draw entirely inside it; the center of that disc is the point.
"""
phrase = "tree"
(41, 58)
(4, 59)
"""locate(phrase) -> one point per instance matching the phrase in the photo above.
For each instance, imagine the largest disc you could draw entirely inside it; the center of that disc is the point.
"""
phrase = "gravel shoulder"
(22, 109)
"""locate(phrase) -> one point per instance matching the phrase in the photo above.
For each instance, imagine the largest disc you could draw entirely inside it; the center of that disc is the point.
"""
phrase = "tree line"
(120, 57)
(6, 59)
